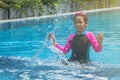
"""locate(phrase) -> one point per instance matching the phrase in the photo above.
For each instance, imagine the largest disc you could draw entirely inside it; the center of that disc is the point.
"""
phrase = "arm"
(67, 46)
(100, 38)
(52, 38)
(64, 49)
(96, 42)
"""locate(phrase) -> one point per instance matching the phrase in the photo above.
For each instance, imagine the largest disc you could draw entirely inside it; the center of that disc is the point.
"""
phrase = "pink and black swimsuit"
(80, 45)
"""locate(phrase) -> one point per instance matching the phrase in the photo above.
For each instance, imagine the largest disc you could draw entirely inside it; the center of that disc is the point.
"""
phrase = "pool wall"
(15, 23)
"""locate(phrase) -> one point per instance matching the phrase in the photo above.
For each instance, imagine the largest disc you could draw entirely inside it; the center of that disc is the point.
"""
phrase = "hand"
(100, 38)
(51, 37)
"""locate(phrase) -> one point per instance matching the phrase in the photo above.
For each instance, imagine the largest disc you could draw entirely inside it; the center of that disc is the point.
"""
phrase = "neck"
(79, 33)
(82, 32)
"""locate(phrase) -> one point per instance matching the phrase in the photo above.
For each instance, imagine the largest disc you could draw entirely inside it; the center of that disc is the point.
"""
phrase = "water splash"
(47, 44)
(59, 53)
(36, 55)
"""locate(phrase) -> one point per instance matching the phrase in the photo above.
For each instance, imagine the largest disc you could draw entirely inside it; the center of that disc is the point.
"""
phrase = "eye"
(78, 22)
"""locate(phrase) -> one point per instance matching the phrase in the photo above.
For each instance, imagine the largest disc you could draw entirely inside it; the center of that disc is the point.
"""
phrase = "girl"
(81, 41)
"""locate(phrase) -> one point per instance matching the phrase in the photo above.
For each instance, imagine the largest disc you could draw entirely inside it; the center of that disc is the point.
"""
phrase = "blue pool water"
(26, 54)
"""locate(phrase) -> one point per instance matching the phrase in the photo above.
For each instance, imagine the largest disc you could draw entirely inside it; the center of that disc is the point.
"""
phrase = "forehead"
(78, 18)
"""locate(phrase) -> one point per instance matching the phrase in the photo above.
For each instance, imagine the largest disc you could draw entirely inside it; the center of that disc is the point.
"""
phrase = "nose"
(78, 24)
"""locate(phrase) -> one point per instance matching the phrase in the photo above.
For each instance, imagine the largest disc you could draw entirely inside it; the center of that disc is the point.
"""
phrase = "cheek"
(83, 25)
(75, 25)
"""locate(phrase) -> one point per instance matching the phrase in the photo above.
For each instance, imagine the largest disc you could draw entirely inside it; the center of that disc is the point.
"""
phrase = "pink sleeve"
(93, 42)
(67, 47)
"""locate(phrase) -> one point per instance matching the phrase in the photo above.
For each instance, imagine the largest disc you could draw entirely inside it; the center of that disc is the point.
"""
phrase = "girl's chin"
(80, 30)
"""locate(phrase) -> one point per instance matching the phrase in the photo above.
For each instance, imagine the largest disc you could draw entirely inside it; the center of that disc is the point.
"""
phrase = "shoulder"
(71, 36)
(90, 35)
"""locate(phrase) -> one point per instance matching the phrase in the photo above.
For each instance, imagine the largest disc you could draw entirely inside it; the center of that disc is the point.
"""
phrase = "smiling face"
(80, 24)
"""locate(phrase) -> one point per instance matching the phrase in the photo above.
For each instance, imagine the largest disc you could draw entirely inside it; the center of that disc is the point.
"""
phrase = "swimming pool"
(25, 53)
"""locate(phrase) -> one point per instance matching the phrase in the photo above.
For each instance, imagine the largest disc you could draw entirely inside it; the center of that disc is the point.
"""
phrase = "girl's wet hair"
(84, 16)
